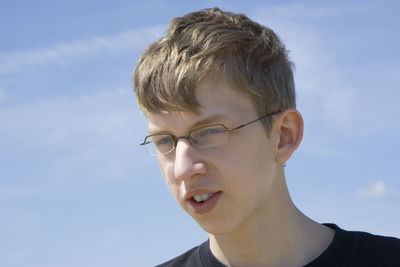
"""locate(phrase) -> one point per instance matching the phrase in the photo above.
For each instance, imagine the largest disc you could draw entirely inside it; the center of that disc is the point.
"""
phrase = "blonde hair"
(212, 42)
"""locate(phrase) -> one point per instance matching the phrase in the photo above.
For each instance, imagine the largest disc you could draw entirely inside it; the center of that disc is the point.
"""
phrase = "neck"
(288, 238)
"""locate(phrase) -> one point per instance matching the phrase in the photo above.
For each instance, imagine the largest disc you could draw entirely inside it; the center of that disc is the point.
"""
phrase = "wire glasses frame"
(204, 137)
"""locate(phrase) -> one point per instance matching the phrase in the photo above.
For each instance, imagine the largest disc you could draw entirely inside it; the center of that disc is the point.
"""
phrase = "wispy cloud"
(104, 114)
(328, 96)
(61, 53)
(377, 189)
(297, 10)
(69, 141)
(320, 83)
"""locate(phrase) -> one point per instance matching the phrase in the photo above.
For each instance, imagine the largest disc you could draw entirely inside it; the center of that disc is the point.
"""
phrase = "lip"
(191, 193)
(202, 207)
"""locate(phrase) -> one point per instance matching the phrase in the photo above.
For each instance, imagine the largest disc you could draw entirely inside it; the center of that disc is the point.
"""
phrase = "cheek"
(250, 166)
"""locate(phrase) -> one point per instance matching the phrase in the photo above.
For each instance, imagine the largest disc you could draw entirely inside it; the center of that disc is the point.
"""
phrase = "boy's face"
(237, 176)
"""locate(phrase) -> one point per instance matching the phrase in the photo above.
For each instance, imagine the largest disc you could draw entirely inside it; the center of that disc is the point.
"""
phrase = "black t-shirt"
(347, 249)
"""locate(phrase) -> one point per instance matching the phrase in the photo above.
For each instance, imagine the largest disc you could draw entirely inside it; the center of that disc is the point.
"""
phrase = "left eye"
(165, 141)
(211, 131)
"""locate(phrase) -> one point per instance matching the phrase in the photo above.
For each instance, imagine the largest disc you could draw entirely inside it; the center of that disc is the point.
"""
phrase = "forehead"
(219, 102)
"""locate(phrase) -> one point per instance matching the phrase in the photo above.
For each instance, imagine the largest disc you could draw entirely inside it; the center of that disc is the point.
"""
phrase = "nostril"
(190, 170)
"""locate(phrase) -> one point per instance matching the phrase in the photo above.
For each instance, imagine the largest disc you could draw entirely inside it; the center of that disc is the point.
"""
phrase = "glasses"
(205, 137)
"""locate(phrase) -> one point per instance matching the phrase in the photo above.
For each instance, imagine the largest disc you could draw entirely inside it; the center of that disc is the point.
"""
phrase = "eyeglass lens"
(201, 138)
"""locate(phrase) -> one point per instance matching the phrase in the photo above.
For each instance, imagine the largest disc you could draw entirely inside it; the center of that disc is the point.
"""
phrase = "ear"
(289, 126)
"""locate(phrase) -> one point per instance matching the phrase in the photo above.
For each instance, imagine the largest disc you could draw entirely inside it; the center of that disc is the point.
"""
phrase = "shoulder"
(199, 256)
(189, 258)
(377, 247)
(355, 248)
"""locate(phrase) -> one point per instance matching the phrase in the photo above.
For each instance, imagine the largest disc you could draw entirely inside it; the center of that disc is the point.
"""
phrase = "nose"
(188, 163)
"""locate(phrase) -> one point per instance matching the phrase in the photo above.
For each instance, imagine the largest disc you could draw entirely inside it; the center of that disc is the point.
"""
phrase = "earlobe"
(289, 126)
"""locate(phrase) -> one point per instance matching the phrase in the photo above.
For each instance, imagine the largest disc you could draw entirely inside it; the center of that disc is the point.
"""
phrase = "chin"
(215, 226)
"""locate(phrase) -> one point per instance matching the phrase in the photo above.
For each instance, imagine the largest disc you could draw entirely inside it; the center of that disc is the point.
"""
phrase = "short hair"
(212, 42)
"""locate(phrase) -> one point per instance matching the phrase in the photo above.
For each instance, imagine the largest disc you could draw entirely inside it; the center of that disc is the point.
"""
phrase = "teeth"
(202, 197)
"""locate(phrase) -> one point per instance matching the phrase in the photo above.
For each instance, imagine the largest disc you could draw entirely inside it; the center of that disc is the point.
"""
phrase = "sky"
(77, 189)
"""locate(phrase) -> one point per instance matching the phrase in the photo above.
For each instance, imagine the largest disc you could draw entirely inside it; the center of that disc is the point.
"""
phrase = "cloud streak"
(68, 141)
(375, 190)
(328, 95)
(105, 115)
(61, 53)
(300, 11)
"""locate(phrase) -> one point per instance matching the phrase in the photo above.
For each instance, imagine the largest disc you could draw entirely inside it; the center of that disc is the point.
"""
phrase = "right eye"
(165, 140)
(163, 143)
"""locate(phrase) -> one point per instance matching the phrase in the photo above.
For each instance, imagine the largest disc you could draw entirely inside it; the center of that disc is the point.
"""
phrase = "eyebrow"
(216, 118)
(213, 119)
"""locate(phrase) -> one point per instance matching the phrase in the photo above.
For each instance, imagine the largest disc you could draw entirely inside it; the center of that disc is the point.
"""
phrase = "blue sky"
(76, 189)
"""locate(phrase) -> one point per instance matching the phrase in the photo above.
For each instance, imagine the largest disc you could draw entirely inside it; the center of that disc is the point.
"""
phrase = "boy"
(218, 93)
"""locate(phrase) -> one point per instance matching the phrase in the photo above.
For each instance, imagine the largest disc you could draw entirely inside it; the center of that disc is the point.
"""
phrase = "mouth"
(203, 203)
(202, 197)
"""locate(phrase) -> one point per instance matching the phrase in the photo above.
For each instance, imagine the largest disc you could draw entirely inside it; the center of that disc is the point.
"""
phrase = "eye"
(164, 140)
(212, 131)
(209, 136)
